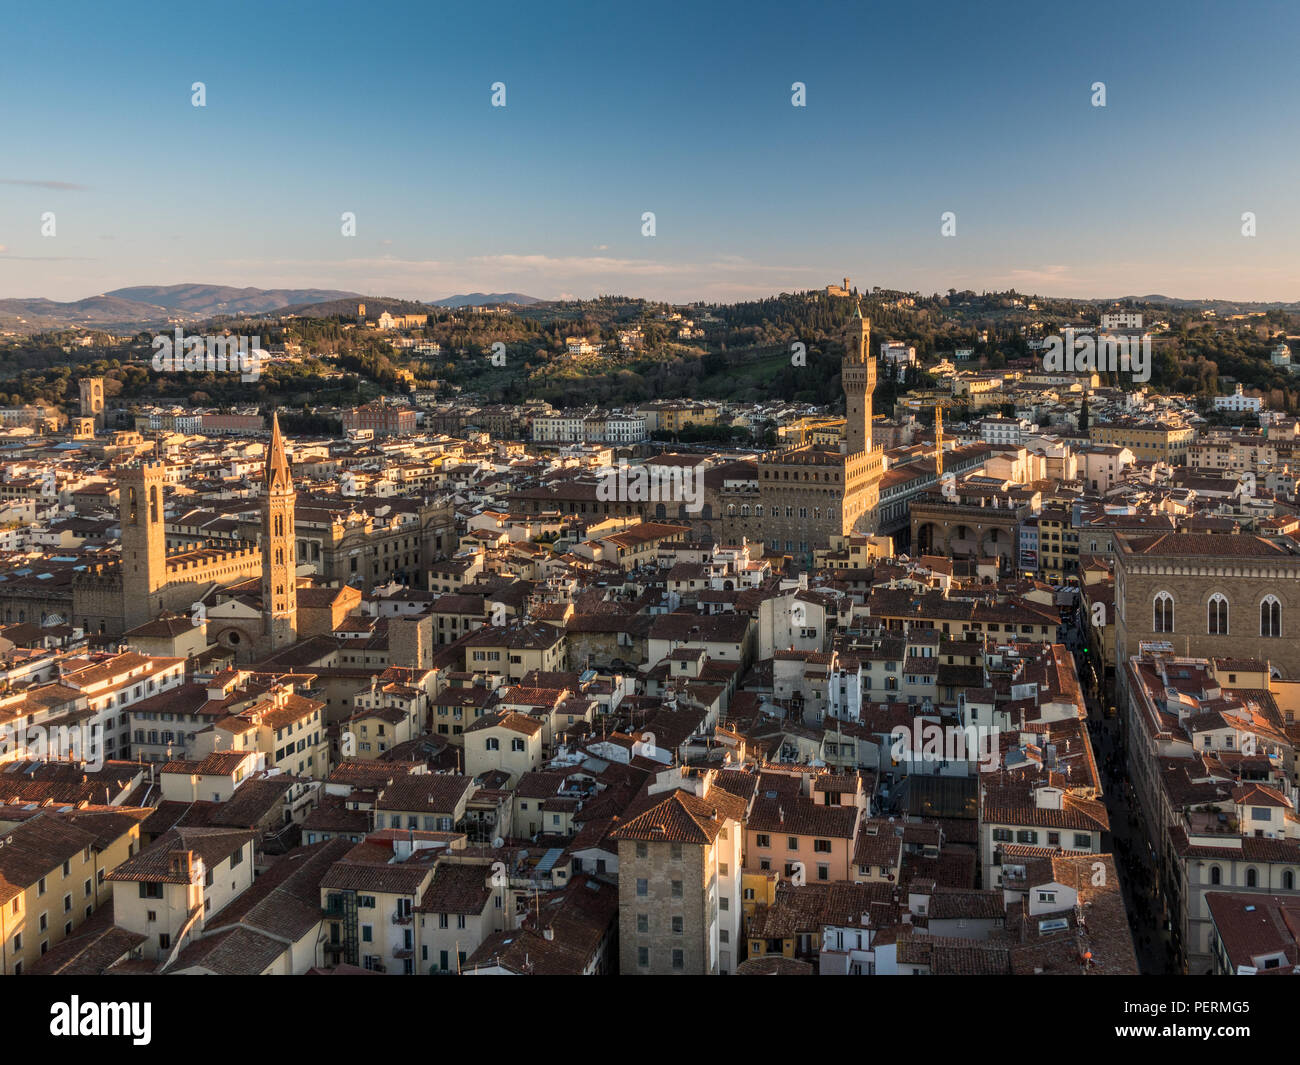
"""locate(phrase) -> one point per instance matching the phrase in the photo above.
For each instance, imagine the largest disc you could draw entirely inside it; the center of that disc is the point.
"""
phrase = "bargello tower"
(805, 494)
(279, 583)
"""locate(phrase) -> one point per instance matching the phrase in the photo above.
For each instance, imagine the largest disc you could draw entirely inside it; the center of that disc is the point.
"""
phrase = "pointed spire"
(278, 477)
(857, 308)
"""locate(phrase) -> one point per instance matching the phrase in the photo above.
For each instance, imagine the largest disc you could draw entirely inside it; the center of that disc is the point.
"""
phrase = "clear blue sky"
(680, 109)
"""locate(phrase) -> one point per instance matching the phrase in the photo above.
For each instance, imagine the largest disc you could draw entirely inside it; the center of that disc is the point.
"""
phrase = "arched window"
(744, 510)
(1216, 876)
(1163, 620)
(1252, 878)
(1270, 616)
(1216, 616)
(1288, 880)
(758, 510)
(731, 510)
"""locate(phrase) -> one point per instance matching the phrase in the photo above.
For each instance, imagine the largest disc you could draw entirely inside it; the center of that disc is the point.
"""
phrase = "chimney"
(181, 862)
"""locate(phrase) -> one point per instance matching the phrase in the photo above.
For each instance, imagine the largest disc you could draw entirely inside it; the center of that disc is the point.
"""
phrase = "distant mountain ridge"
(211, 300)
(141, 306)
(482, 299)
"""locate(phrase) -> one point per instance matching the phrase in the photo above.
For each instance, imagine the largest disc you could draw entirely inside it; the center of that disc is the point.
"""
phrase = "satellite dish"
(498, 842)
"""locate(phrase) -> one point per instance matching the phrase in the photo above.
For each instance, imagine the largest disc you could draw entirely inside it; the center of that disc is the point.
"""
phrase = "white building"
(625, 429)
(1003, 430)
(1121, 320)
(580, 346)
(1238, 402)
(898, 356)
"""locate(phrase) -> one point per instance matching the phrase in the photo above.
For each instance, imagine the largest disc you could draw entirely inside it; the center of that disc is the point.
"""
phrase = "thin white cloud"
(60, 186)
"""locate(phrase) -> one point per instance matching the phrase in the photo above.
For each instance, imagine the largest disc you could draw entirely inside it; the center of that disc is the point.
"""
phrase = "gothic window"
(1216, 620)
(153, 503)
(1163, 621)
(1270, 616)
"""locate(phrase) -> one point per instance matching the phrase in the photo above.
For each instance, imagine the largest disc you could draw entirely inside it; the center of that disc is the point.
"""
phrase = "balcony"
(402, 953)
(401, 918)
(1210, 822)
(1212, 828)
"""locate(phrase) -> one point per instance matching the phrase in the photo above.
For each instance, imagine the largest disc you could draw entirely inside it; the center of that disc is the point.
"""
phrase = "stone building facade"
(1209, 596)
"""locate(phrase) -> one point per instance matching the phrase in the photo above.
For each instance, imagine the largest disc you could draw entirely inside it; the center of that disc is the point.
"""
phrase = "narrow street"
(1128, 841)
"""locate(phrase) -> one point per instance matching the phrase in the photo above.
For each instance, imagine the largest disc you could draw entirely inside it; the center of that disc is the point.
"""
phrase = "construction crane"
(939, 405)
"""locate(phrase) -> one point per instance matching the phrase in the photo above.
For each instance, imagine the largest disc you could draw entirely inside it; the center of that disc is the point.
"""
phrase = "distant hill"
(130, 309)
(483, 299)
(347, 307)
(1215, 305)
(211, 300)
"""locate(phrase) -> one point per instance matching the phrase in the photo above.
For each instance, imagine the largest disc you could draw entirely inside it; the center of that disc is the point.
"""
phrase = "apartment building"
(167, 891)
(679, 879)
(53, 866)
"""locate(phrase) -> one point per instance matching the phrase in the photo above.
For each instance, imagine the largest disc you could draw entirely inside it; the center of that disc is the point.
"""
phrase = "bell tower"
(858, 376)
(279, 585)
(144, 541)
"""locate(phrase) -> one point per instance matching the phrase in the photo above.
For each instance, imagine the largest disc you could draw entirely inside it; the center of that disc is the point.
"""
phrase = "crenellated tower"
(858, 376)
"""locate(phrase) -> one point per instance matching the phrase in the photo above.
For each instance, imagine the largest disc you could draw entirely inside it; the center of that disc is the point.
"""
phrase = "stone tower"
(144, 541)
(279, 586)
(92, 399)
(410, 642)
(858, 375)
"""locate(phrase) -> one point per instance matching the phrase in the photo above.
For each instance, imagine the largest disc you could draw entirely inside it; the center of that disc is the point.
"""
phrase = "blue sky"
(680, 109)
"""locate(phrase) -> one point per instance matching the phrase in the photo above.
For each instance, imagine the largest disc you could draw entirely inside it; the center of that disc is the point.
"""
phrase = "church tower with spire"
(279, 586)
